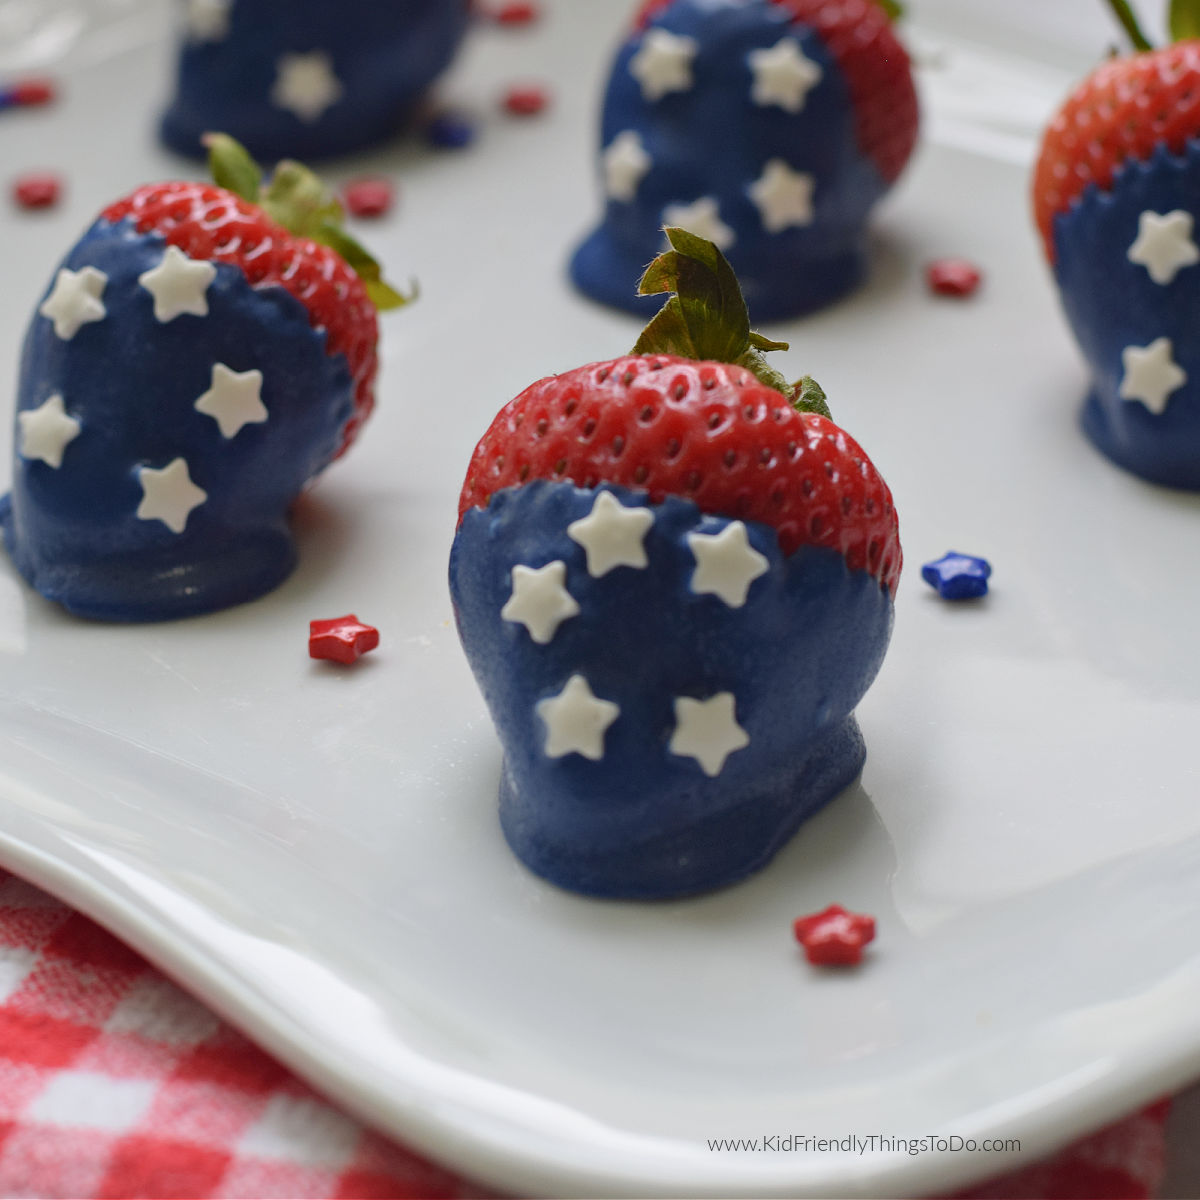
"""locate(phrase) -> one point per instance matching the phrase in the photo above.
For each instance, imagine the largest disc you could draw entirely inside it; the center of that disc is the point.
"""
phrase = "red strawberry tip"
(296, 199)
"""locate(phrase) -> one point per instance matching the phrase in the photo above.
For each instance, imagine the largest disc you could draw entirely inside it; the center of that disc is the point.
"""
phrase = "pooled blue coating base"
(1113, 303)
(644, 822)
(385, 55)
(132, 383)
(714, 140)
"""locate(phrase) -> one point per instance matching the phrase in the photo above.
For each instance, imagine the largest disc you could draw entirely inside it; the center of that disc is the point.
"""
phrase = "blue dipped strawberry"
(673, 578)
(770, 127)
(1114, 196)
(307, 78)
(202, 352)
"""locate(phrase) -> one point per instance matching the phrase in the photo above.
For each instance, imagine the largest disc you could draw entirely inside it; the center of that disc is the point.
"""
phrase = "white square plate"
(315, 852)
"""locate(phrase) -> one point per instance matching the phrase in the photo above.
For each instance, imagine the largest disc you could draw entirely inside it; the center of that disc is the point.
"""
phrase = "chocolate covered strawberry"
(307, 78)
(1115, 199)
(203, 351)
(673, 578)
(770, 127)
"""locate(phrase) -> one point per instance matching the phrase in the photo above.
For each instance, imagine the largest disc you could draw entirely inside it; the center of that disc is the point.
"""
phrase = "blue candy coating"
(644, 822)
(714, 140)
(132, 383)
(384, 54)
(1113, 303)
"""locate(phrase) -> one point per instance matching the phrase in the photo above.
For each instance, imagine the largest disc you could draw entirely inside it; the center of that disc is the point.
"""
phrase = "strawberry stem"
(706, 317)
(1183, 19)
(297, 199)
(1129, 23)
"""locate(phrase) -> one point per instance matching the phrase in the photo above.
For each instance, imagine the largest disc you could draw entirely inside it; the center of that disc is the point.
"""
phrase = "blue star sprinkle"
(450, 131)
(958, 576)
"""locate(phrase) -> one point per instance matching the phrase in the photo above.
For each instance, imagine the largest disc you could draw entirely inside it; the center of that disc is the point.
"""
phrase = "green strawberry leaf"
(808, 396)
(1129, 23)
(893, 8)
(358, 258)
(1183, 19)
(706, 316)
(231, 166)
(297, 199)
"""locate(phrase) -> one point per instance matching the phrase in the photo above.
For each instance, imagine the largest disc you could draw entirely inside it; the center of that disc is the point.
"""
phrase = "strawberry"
(1114, 202)
(204, 350)
(771, 127)
(673, 577)
(307, 78)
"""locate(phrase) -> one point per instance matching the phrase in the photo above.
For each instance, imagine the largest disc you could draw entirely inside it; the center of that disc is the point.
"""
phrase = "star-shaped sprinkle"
(726, 564)
(234, 399)
(953, 277)
(306, 85)
(1151, 374)
(207, 20)
(625, 163)
(179, 285)
(612, 535)
(707, 730)
(783, 196)
(169, 495)
(1164, 244)
(834, 937)
(46, 430)
(75, 300)
(540, 600)
(958, 576)
(783, 75)
(341, 639)
(576, 720)
(703, 218)
(663, 63)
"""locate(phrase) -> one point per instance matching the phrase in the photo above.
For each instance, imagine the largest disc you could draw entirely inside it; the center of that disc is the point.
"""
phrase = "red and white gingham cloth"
(114, 1083)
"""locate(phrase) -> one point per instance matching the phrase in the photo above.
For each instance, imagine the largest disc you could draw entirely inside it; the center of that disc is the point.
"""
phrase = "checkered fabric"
(114, 1083)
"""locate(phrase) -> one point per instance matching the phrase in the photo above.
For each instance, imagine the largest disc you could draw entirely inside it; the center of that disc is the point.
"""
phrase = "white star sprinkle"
(576, 720)
(179, 285)
(726, 564)
(46, 430)
(707, 730)
(306, 85)
(663, 63)
(783, 75)
(703, 218)
(1164, 244)
(75, 300)
(783, 196)
(612, 535)
(233, 400)
(207, 20)
(539, 600)
(1151, 374)
(169, 495)
(625, 165)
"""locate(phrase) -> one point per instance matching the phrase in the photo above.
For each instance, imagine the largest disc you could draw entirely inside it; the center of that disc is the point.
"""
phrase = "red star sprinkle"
(525, 101)
(40, 190)
(342, 639)
(835, 937)
(30, 92)
(368, 197)
(515, 14)
(953, 277)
